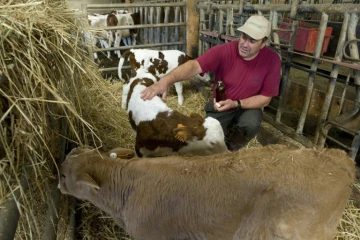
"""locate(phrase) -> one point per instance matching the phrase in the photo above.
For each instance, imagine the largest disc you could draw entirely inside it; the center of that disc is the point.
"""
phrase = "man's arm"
(257, 101)
(180, 73)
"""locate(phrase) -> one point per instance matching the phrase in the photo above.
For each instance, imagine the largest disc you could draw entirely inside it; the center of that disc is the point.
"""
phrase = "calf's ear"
(86, 179)
(181, 132)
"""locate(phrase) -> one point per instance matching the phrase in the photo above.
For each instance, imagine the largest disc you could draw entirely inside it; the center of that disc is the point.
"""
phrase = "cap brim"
(250, 31)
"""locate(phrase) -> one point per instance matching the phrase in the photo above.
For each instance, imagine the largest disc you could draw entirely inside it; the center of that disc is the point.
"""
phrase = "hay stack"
(51, 93)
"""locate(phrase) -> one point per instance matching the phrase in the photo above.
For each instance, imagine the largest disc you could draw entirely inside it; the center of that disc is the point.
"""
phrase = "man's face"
(249, 47)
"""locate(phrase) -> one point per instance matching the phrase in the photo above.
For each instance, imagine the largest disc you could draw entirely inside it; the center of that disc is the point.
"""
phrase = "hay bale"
(50, 93)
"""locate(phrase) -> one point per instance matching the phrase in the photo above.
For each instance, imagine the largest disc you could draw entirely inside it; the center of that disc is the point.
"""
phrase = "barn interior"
(54, 95)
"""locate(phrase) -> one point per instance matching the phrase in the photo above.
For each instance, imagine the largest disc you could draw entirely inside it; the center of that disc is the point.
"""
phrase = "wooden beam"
(192, 28)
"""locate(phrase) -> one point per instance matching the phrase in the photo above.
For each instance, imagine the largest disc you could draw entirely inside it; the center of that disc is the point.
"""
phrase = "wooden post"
(192, 28)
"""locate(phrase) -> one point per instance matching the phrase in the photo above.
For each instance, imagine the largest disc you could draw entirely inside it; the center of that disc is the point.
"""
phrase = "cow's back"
(259, 193)
(272, 192)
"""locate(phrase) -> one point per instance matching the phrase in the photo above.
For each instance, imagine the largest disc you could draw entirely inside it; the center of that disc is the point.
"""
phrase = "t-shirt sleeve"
(211, 59)
(271, 84)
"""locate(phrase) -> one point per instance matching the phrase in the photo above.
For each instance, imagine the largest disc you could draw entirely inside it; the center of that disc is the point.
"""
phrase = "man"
(250, 72)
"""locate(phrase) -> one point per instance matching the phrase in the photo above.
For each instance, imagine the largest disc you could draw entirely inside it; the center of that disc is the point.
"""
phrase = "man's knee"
(251, 129)
(250, 123)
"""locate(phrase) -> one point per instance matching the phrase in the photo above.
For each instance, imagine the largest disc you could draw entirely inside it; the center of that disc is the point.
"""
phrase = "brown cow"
(272, 192)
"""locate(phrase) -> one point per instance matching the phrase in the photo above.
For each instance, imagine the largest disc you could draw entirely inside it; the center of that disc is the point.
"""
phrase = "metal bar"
(202, 26)
(344, 48)
(274, 25)
(230, 22)
(220, 22)
(210, 40)
(166, 31)
(157, 30)
(113, 69)
(9, 212)
(321, 72)
(294, 8)
(228, 38)
(286, 72)
(141, 30)
(70, 230)
(346, 85)
(177, 19)
(210, 33)
(139, 26)
(139, 46)
(320, 139)
(146, 30)
(310, 84)
(151, 21)
(344, 64)
(303, 8)
(127, 5)
(52, 214)
(355, 147)
(211, 21)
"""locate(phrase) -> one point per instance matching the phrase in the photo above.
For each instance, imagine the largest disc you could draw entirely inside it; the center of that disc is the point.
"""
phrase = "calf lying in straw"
(272, 192)
(161, 130)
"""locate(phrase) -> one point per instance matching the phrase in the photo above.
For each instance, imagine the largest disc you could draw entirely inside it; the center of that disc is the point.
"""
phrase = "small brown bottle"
(220, 91)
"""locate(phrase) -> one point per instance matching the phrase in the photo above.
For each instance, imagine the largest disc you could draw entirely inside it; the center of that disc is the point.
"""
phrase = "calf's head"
(74, 177)
(77, 176)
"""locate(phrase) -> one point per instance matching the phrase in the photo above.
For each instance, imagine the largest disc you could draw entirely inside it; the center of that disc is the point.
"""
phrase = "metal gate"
(218, 23)
(162, 25)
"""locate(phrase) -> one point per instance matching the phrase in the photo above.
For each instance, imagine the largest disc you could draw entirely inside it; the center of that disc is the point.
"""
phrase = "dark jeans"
(239, 126)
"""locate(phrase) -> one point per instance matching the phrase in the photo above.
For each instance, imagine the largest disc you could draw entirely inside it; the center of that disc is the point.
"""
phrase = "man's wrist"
(238, 104)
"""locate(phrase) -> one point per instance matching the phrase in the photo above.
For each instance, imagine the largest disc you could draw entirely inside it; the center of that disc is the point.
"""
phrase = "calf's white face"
(212, 143)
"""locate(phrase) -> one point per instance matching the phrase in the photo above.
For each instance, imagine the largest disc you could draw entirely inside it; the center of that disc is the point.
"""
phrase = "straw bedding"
(53, 92)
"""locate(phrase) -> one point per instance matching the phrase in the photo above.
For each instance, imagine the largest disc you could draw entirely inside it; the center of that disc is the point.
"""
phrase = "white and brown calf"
(123, 19)
(274, 192)
(162, 131)
(158, 63)
(98, 21)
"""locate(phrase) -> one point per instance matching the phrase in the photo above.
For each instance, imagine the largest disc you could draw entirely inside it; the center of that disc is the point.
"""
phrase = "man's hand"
(157, 88)
(223, 105)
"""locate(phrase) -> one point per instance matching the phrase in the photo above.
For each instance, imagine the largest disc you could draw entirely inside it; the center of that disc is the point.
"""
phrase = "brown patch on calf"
(144, 81)
(162, 131)
(111, 21)
(131, 121)
(159, 65)
(183, 59)
(133, 64)
(137, 20)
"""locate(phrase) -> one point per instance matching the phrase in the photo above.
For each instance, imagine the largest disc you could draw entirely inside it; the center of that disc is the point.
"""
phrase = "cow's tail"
(121, 63)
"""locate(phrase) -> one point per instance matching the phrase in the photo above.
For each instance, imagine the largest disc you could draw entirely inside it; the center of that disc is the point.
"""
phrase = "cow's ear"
(181, 132)
(86, 179)
(123, 153)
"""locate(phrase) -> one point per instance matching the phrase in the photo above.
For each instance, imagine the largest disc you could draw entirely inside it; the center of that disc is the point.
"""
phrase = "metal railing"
(218, 24)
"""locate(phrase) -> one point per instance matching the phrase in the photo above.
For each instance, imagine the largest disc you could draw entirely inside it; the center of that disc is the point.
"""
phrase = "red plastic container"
(306, 36)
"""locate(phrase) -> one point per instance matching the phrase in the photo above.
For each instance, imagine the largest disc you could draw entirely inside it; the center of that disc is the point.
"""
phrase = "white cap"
(257, 27)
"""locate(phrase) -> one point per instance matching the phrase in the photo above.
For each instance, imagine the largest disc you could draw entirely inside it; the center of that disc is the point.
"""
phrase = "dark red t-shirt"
(243, 79)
